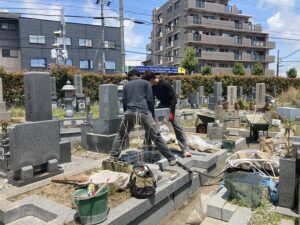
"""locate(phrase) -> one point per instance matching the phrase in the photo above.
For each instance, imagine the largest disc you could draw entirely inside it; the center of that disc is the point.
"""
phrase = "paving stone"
(241, 216)
(227, 211)
(52, 166)
(286, 211)
(29, 220)
(26, 173)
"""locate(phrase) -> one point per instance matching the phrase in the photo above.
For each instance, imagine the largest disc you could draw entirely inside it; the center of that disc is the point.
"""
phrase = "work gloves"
(171, 116)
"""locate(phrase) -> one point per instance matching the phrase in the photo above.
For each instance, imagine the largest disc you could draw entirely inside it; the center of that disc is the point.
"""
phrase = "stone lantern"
(69, 98)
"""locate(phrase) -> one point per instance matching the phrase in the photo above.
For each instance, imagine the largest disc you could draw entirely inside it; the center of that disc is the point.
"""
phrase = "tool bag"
(142, 183)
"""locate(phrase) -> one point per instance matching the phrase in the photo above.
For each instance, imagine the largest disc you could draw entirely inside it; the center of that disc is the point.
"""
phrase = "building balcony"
(169, 44)
(169, 59)
(221, 56)
(148, 57)
(270, 59)
(149, 47)
(213, 7)
(159, 49)
(159, 35)
(228, 70)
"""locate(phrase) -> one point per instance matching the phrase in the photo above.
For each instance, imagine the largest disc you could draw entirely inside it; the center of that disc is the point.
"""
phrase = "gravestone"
(4, 115)
(53, 93)
(194, 100)
(231, 96)
(274, 91)
(107, 125)
(260, 94)
(217, 95)
(80, 98)
(253, 92)
(35, 145)
(240, 91)
(215, 131)
(177, 87)
(37, 91)
(219, 113)
(201, 95)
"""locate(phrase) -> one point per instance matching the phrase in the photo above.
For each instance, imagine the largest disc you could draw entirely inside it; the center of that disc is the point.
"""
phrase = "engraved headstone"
(260, 94)
(201, 95)
(240, 91)
(53, 93)
(108, 101)
(80, 98)
(231, 96)
(37, 90)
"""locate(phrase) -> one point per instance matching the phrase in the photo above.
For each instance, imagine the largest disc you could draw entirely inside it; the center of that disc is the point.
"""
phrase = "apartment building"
(25, 44)
(220, 34)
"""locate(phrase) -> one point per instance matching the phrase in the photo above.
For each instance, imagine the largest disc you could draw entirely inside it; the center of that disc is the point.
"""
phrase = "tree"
(238, 69)
(206, 70)
(258, 69)
(189, 61)
(292, 73)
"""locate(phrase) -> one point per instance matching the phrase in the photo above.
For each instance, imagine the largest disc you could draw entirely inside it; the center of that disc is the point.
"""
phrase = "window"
(69, 62)
(177, 4)
(68, 41)
(175, 22)
(85, 43)
(4, 26)
(86, 64)
(37, 39)
(176, 36)
(38, 63)
(176, 52)
(9, 53)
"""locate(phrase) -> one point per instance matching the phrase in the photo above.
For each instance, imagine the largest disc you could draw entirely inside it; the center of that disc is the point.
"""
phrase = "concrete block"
(286, 212)
(288, 112)
(26, 173)
(65, 152)
(241, 216)
(215, 206)
(163, 164)
(181, 195)
(52, 166)
(85, 129)
(212, 221)
(227, 211)
(287, 222)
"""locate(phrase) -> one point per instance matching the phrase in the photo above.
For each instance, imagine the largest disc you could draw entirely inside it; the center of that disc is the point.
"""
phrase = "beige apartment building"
(220, 34)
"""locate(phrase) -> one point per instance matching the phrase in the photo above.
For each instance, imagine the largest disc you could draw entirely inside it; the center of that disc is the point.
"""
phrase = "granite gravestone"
(35, 144)
(80, 98)
(201, 95)
(217, 95)
(231, 96)
(4, 115)
(194, 100)
(219, 113)
(261, 94)
(53, 93)
(240, 92)
(274, 91)
(37, 91)
(177, 87)
(108, 123)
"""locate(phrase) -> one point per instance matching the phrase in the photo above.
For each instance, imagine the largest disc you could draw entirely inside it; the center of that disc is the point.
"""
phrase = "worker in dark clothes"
(164, 92)
(138, 105)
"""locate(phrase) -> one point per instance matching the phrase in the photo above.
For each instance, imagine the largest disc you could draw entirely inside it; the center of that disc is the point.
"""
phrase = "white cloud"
(284, 3)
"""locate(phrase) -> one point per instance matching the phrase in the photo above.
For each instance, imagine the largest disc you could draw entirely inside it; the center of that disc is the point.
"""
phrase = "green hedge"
(13, 82)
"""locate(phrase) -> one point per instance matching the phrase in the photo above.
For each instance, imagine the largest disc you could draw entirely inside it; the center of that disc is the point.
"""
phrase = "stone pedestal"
(287, 183)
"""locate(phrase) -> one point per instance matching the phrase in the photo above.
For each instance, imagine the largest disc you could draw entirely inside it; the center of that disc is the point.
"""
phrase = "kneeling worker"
(138, 103)
(164, 92)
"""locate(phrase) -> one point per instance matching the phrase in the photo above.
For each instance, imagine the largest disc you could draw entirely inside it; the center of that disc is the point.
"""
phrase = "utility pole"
(102, 37)
(121, 12)
(277, 70)
(63, 29)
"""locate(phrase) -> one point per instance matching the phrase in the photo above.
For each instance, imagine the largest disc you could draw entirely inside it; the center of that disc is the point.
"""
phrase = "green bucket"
(228, 144)
(93, 210)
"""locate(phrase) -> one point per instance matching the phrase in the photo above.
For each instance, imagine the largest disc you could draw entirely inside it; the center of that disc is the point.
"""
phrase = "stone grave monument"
(53, 93)
(177, 87)
(80, 98)
(240, 92)
(4, 115)
(231, 96)
(104, 128)
(194, 100)
(217, 95)
(260, 94)
(34, 146)
(215, 131)
(201, 95)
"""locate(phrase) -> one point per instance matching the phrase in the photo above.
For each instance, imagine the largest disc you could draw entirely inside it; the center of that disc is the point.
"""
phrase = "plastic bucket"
(93, 210)
(228, 144)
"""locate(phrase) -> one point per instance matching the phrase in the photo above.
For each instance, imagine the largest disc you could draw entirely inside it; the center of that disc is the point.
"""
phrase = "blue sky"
(280, 17)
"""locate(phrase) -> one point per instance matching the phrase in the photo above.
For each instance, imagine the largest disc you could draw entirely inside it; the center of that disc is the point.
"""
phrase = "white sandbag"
(118, 179)
(197, 215)
(198, 144)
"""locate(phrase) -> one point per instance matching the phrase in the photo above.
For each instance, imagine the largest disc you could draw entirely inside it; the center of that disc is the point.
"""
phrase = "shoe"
(173, 162)
(113, 158)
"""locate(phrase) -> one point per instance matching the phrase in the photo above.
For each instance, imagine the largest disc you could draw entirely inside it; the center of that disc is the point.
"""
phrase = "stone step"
(28, 220)
(212, 221)
(287, 222)
(216, 204)
(241, 216)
